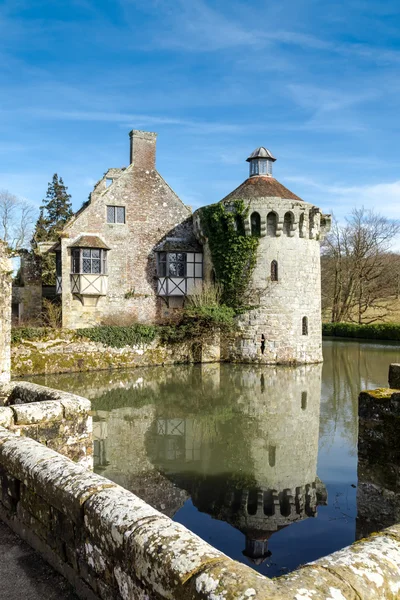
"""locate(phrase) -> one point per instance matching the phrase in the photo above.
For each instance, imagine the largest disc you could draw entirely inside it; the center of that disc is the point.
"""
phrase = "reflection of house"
(244, 446)
(135, 251)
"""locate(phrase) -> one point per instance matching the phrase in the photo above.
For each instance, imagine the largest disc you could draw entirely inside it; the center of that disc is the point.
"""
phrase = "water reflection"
(233, 451)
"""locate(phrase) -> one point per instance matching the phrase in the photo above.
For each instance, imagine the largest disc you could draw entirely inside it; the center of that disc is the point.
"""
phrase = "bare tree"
(16, 220)
(357, 274)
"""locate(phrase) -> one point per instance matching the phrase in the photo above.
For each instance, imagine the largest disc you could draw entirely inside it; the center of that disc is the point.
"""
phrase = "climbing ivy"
(233, 253)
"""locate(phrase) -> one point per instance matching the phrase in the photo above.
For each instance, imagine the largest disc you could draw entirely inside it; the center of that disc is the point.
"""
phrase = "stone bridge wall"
(111, 545)
(5, 314)
(58, 420)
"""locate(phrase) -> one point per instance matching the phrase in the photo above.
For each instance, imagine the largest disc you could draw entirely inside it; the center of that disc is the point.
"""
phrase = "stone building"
(134, 252)
(107, 268)
(285, 324)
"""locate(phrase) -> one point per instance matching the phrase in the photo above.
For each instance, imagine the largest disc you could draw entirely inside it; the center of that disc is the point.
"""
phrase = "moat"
(261, 462)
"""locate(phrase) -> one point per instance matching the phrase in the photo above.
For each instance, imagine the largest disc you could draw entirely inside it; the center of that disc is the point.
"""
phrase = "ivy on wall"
(233, 253)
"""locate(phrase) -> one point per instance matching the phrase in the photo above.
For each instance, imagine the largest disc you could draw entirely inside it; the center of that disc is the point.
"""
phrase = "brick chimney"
(143, 149)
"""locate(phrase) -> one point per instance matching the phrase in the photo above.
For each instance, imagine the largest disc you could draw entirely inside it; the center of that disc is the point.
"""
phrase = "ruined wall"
(58, 420)
(28, 294)
(111, 545)
(62, 353)
(5, 314)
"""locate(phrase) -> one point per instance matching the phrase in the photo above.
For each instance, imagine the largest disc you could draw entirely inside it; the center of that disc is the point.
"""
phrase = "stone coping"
(28, 403)
(127, 544)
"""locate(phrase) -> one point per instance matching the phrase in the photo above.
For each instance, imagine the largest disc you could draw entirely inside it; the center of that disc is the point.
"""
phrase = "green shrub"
(30, 333)
(373, 331)
(117, 336)
(199, 321)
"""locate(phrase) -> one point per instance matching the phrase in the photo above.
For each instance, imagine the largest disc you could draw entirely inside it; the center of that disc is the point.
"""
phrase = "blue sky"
(317, 82)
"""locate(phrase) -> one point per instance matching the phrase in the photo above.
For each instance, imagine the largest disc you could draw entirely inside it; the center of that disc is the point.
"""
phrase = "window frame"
(115, 208)
(77, 257)
(164, 263)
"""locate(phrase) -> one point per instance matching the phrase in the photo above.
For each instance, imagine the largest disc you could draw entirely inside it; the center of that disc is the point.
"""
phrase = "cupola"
(261, 162)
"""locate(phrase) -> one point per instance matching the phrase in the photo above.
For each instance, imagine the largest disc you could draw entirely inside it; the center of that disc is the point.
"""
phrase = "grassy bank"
(374, 331)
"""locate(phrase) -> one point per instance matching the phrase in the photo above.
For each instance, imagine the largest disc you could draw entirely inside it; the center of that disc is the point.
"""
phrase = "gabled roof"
(89, 241)
(261, 187)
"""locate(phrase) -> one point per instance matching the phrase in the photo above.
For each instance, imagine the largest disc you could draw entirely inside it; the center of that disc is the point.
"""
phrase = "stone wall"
(111, 545)
(27, 296)
(378, 492)
(63, 353)
(58, 420)
(5, 314)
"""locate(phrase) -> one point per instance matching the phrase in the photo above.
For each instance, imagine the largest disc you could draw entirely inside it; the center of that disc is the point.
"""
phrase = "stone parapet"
(378, 497)
(5, 314)
(111, 545)
(59, 420)
(394, 376)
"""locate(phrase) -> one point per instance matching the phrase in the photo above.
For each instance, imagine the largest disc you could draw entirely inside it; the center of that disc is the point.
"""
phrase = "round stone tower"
(285, 324)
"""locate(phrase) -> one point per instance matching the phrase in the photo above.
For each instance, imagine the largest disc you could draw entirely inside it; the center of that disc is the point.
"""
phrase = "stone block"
(38, 412)
(10, 490)
(6, 417)
(394, 376)
(36, 506)
(226, 578)
(371, 567)
(113, 514)
(74, 405)
(165, 554)
(61, 482)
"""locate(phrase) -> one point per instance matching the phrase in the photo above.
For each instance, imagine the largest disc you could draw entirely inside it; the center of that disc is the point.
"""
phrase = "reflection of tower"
(254, 463)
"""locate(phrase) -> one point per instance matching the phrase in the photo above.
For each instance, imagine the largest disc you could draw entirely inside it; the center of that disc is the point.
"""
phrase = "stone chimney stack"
(143, 149)
(5, 315)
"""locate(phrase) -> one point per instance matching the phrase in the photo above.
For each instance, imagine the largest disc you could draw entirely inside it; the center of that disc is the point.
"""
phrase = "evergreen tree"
(55, 211)
(40, 233)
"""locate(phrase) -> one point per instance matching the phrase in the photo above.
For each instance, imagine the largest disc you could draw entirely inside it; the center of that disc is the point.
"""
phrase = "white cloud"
(382, 197)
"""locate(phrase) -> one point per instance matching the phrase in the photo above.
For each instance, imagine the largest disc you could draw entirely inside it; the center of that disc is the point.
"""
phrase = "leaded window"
(172, 264)
(115, 214)
(89, 261)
